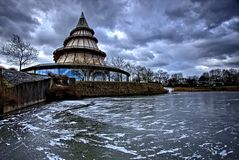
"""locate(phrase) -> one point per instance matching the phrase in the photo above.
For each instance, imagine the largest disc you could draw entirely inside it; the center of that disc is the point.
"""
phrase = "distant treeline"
(215, 77)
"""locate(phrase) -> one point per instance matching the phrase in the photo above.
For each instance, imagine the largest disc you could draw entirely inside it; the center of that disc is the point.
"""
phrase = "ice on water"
(171, 126)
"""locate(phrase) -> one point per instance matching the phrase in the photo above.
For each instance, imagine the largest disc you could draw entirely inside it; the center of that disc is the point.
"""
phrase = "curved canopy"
(75, 66)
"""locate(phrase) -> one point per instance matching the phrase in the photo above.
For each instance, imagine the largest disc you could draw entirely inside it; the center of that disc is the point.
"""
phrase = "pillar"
(87, 75)
(127, 78)
(108, 76)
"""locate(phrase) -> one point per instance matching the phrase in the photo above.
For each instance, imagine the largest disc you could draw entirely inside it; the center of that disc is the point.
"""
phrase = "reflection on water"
(170, 126)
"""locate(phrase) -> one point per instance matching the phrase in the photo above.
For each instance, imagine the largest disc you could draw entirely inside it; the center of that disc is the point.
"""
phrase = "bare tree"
(177, 76)
(215, 74)
(204, 77)
(131, 69)
(139, 70)
(143, 74)
(161, 76)
(149, 75)
(19, 52)
(118, 62)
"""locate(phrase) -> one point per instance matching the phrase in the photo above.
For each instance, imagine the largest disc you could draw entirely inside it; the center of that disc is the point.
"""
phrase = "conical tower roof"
(80, 47)
(82, 21)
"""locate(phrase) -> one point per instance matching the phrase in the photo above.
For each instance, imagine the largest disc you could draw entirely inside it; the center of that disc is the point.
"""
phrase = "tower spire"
(82, 21)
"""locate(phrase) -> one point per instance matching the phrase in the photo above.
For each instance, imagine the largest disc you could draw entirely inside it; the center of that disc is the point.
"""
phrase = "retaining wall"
(34, 92)
(100, 89)
(23, 95)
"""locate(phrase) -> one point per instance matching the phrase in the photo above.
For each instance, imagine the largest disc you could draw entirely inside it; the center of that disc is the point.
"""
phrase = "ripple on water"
(120, 149)
(168, 151)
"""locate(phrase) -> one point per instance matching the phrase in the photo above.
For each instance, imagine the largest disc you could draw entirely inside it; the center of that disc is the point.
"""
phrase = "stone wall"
(100, 89)
(23, 95)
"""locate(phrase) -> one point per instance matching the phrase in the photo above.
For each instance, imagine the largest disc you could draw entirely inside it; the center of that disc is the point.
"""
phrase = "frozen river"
(170, 126)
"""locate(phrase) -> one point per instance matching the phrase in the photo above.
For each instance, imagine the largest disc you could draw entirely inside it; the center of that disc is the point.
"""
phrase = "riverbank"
(205, 89)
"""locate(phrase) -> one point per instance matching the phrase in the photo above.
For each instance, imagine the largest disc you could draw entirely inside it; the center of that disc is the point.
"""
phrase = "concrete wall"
(25, 94)
(98, 89)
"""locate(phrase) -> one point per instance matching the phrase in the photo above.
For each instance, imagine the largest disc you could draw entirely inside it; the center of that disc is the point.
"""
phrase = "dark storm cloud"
(103, 13)
(13, 19)
(214, 11)
(218, 47)
(217, 11)
(178, 13)
(233, 63)
(171, 35)
(8, 10)
(200, 16)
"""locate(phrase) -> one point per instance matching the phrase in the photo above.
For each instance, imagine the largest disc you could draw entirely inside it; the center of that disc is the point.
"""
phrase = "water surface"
(170, 126)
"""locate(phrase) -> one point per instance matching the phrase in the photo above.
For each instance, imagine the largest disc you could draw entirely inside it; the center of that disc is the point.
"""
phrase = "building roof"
(74, 66)
(15, 77)
(80, 40)
(82, 21)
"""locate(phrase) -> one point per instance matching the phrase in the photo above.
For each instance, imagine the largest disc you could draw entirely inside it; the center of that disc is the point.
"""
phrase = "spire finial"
(82, 15)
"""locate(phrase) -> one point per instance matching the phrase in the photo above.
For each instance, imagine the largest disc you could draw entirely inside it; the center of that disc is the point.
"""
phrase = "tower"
(80, 47)
(80, 58)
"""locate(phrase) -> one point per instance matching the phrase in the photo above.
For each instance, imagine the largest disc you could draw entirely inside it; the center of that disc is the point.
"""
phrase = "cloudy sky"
(188, 36)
